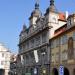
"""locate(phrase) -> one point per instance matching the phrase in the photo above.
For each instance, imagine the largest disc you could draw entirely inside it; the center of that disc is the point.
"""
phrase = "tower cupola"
(36, 13)
(51, 7)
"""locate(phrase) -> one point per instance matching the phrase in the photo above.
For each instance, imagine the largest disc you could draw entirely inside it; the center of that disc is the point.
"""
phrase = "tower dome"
(36, 12)
(51, 8)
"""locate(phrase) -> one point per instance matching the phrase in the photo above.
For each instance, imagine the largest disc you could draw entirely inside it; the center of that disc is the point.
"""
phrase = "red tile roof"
(61, 16)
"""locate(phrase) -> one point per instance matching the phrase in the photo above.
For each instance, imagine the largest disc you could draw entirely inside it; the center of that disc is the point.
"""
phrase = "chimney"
(66, 14)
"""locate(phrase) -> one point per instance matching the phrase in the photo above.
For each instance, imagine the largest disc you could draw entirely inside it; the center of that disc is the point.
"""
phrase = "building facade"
(13, 64)
(4, 60)
(36, 38)
(63, 48)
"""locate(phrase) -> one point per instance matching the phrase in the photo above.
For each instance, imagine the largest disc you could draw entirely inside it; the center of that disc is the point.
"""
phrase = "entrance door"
(66, 71)
(2, 71)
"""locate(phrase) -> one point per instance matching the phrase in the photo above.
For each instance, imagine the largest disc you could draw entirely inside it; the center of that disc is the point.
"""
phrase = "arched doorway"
(74, 72)
(54, 71)
(66, 71)
(2, 71)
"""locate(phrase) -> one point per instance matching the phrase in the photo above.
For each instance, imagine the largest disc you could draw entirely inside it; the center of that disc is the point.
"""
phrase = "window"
(44, 37)
(2, 62)
(31, 54)
(52, 44)
(70, 48)
(69, 22)
(21, 48)
(27, 59)
(32, 43)
(37, 39)
(26, 70)
(57, 57)
(24, 46)
(55, 20)
(57, 42)
(64, 39)
(52, 58)
(27, 44)
(2, 54)
(64, 56)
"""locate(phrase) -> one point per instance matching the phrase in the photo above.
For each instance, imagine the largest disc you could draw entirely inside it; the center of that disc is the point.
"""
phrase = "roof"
(62, 31)
(62, 16)
(59, 29)
(72, 15)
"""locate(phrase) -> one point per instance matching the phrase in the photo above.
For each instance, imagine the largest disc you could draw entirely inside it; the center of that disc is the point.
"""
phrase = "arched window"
(66, 71)
(54, 71)
(70, 48)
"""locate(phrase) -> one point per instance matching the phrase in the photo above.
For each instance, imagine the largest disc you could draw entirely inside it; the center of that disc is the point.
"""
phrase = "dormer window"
(69, 22)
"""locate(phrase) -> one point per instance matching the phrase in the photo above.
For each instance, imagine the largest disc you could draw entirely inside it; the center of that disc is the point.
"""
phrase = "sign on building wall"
(61, 70)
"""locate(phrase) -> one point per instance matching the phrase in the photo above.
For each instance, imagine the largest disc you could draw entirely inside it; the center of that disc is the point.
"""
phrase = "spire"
(36, 12)
(52, 6)
(51, 2)
(37, 4)
(24, 27)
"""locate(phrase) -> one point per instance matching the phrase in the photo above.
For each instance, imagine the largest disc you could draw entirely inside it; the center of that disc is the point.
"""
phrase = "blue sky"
(14, 13)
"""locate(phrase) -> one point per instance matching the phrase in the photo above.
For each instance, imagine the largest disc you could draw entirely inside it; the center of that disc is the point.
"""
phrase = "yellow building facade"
(62, 48)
